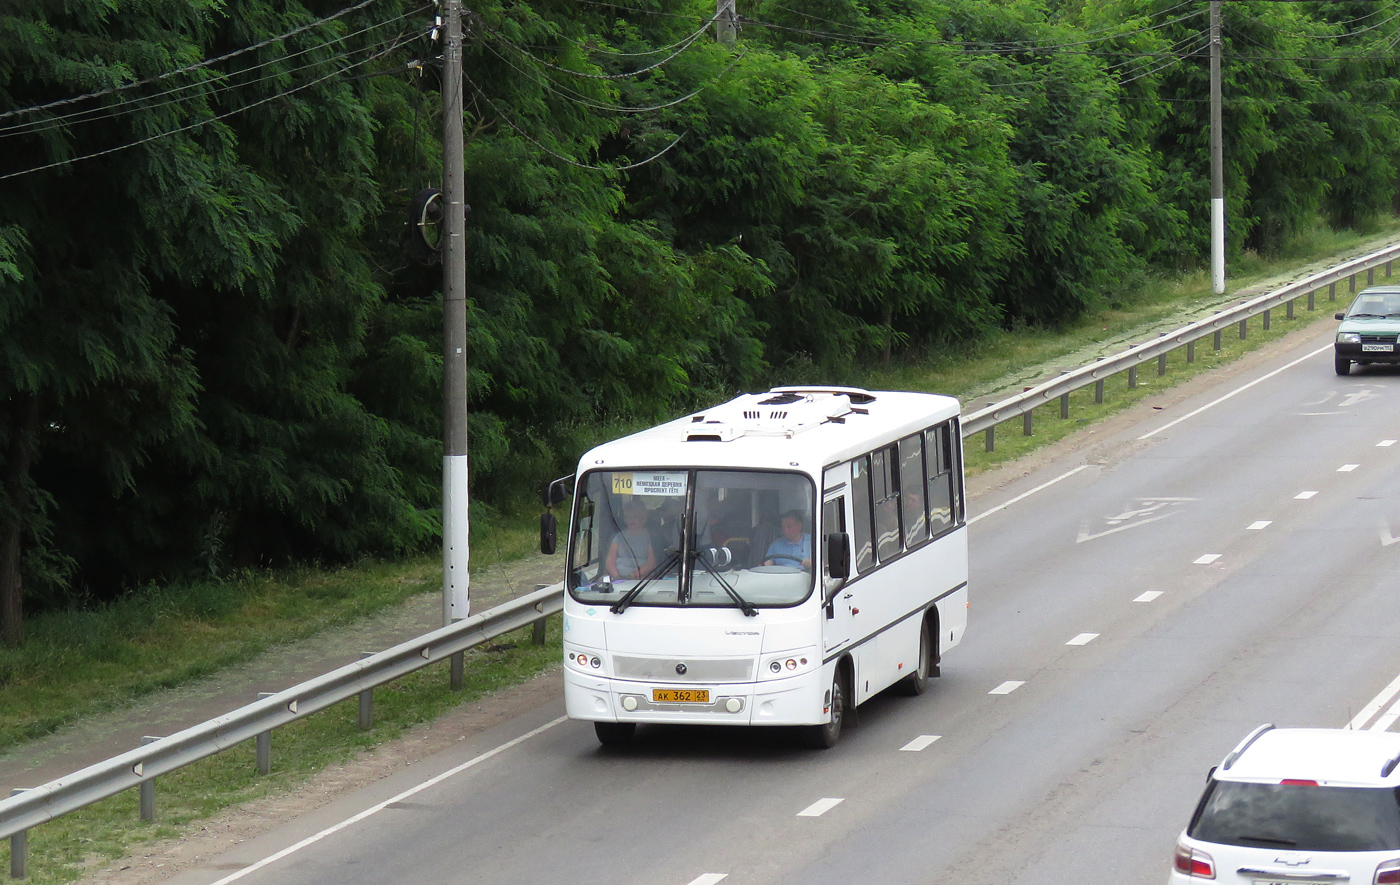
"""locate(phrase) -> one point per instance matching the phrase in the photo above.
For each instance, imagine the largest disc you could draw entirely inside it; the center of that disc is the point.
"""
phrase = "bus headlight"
(789, 663)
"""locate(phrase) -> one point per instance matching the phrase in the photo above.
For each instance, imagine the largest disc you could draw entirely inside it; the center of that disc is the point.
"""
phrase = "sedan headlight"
(1348, 338)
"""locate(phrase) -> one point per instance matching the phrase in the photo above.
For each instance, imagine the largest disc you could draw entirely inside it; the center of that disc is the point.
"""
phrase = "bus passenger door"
(836, 624)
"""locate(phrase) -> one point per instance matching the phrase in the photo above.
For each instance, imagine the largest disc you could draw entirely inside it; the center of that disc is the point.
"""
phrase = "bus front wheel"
(826, 735)
(614, 734)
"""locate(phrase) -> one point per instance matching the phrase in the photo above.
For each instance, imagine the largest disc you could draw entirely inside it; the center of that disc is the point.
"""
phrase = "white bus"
(775, 560)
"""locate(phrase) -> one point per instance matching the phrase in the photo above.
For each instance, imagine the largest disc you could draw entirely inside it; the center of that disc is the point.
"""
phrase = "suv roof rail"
(1250, 738)
(1389, 765)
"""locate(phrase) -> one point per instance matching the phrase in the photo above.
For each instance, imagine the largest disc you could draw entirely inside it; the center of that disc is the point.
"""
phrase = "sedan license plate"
(680, 696)
(1378, 348)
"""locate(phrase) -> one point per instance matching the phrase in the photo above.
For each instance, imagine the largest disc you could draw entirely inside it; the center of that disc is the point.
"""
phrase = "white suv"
(1295, 805)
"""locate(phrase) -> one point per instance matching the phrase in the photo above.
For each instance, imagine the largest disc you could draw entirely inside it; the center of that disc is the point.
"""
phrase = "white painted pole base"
(456, 601)
(1217, 246)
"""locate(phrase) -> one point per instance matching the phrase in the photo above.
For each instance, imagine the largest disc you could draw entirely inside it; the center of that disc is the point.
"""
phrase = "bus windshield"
(750, 540)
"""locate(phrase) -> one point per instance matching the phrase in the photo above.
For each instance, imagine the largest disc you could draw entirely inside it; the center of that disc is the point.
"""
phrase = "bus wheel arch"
(839, 703)
(926, 662)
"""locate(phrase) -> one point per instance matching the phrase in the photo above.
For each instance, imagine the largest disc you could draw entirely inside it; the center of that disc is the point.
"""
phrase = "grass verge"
(94, 837)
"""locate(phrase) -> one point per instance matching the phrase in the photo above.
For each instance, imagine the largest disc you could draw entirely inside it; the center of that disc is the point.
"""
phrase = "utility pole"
(456, 603)
(1217, 161)
(725, 25)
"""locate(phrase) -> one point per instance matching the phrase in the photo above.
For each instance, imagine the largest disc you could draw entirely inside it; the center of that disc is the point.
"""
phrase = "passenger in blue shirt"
(794, 547)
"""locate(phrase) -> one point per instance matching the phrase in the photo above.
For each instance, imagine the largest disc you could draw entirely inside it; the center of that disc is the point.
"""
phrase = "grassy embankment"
(78, 664)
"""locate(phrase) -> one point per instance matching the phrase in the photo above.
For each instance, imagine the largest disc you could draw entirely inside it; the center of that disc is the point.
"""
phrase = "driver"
(794, 547)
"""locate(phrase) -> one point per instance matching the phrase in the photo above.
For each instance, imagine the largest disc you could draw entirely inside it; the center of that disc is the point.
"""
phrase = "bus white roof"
(804, 428)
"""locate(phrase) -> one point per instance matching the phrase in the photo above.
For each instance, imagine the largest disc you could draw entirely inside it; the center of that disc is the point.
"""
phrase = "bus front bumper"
(793, 701)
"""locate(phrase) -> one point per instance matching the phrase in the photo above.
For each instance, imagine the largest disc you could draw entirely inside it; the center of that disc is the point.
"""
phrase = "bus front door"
(836, 626)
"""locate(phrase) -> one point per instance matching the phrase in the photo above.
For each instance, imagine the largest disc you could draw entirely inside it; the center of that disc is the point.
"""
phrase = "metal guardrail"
(139, 767)
(1021, 404)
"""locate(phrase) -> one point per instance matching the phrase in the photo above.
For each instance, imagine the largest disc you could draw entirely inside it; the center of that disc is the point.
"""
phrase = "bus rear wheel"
(825, 736)
(916, 683)
(614, 734)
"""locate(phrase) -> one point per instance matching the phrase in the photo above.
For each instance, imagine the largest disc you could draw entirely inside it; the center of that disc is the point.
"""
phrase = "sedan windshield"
(749, 545)
(1300, 816)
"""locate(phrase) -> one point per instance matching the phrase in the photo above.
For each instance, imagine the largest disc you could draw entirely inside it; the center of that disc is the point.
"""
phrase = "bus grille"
(695, 669)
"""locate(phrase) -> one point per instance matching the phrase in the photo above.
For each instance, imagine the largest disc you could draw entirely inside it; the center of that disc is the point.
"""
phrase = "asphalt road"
(1134, 614)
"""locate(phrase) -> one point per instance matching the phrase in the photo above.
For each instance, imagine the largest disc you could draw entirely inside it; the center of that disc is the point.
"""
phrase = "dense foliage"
(215, 350)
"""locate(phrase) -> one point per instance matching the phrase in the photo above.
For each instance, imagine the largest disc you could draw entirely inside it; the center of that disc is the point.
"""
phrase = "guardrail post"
(263, 743)
(1191, 351)
(991, 438)
(537, 629)
(1215, 341)
(1290, 307)
(1370, 276)
(456, 664)
(1064, 406)
(1267, 311)
(1132, 377)
(1098, 392)
(1331, 291)
(1244, 329)
(1312, 300)
(1161, 365)
(1387, 268)
(148, 789)
(366, 702)
(19, 847)
(1026, 422)
(1351, 283)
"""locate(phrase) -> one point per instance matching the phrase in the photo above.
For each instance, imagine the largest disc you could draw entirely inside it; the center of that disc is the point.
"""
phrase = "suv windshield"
(750, 541)
(1301, 816)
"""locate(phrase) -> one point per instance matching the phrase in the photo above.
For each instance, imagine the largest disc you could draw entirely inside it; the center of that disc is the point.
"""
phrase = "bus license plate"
(1378, 348)
(679, 696)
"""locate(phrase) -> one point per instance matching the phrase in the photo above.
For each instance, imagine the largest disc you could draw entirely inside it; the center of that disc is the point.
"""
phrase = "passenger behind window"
(632, 553)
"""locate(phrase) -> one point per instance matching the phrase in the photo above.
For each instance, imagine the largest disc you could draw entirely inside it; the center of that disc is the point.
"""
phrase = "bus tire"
(916, 683)
(825, 736)
(614, 734)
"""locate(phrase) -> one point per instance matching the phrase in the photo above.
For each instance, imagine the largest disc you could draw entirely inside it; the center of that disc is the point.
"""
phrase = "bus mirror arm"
(838, 555)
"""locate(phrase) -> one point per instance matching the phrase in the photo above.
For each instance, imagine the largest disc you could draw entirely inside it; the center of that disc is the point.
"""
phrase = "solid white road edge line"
(1024, 495)
(819, 807)
(1240, 389)
(1376, 703)
(375, 809)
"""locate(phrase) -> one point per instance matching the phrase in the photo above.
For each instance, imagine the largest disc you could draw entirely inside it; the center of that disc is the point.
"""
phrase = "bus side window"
(833, 520)
(940, 480)
(884, 484)
(911, 490)
(861, 514)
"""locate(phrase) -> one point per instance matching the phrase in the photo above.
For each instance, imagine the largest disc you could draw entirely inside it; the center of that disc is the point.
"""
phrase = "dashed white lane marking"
(1147, 596)
(1258, 524)
(919, 743)
(375, 809)
(1207, 559)
(1045, 485)
(1241, 389)
(1083, 639)
(1007, 687)
(819, 807)
(1375, 704)
(1385, 443)
(1347, 468)
(709, 879)
(1303, 496)
(1384, 723)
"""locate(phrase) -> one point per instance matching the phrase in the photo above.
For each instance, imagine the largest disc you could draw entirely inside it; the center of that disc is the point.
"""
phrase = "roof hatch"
(781, 412)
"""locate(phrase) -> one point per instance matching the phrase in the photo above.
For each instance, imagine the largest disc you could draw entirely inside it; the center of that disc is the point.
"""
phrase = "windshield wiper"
(1370, 316)
(744, 605)
(657, 571)
(1285, 842)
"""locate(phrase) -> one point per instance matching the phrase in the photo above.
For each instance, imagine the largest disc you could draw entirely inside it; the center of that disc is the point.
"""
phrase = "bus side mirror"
(555, 492)
(838, 555)
(549, 533)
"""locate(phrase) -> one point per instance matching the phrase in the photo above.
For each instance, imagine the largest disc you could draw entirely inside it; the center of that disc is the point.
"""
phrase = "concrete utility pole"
(1217, 161)
(725, 21)
(456, 603)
